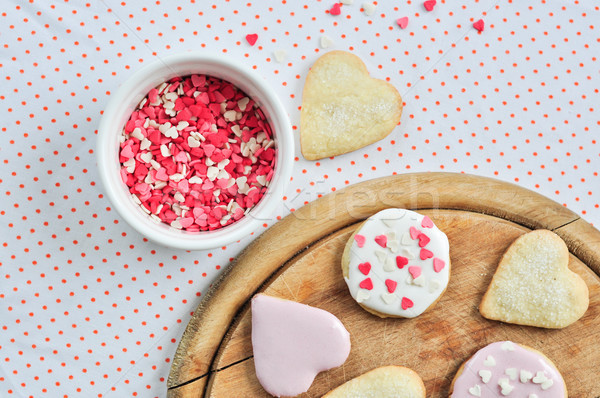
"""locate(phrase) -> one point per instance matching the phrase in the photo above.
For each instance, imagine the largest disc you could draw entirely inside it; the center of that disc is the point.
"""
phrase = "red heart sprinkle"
(438, 264)
(479, 25)
(425, 254)
(414, 233)
(423, 240)
(401, 261)
(429, 4)
(366, 284)
(360, 240)
(415, 271)
(251, 39)
(406, 303)
(381, 240)
(402, 22)
(335, 9)
(391, 285)
(427, 223)
(365, 268)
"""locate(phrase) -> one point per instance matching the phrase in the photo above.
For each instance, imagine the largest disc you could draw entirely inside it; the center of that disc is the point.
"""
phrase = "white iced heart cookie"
(534, 286)
(343, 108)
(293, 342)
(507, 369)
(397, 263)
(383, 382)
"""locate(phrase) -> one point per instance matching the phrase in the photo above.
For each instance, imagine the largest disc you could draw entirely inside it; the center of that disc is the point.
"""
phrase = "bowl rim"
(125, 98)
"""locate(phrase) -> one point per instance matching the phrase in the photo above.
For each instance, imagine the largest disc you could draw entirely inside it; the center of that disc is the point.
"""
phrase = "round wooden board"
(299, 259)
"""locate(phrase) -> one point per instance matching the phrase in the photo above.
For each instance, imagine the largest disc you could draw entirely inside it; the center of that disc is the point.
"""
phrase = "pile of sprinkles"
(197, 153)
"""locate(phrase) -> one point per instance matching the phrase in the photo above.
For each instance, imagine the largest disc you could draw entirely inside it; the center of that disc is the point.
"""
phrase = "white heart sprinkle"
(419, 281)
(511, 372)
(508, 346)
(539, 378)
(408, 254)
(369, 8)
(212, 172)
(146, 157)
(171, 132)
(389, 298)
(505, 386)
(525, 376)
(547, 384)
(381, 256)
(489, 361)
(406, 240)
(195, 180)
(434, 285)
(362, 295)
(475, 390)
(280, 55)
(165, 151)
(137, 133)
(192, 142)
(145, 144)
(347, 2)
(393, 245)
(326, 41)
(389, 265)
(242, 105)
(485, 375)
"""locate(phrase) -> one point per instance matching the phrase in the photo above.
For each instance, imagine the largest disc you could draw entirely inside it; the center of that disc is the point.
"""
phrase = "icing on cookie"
(505, 369)
(403, 247)
(293, 342)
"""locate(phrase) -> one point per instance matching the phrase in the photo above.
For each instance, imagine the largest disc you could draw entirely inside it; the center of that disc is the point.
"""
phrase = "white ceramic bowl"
(128, 96)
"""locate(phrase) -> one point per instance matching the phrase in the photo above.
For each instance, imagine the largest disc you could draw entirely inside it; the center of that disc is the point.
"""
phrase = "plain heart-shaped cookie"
(343, 108)
(383, 382)
(293, 342)
(534, 286)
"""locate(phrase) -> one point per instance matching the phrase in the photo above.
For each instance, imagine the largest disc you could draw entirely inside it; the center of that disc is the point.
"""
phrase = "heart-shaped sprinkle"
(335, 9)
(389, 265)
(408, 254)
(406, 241)
(326, 41)
(402, 22)
(525, 376)
(425, 254)
(434, 285)
(426, 222)
(369, 8)
(388, 298)
(362, 295)
(381, 256)
(401, 261)
(391, 285)
(540, 377)
(414, 233)
(505, 386)
(429, 4)
(293, 342)
(415, 271)
(251, 39)
(475, 390)
(393, 245)
(489, 361)
(485, 375)
(406, 303)
(479, 25)
(438, 264)
(508, 346)
(381, 240)
(547, 384)
(360, 240)
(366, 284)
(423, 240)
(365, 268)
(419, 281)
(512, 373)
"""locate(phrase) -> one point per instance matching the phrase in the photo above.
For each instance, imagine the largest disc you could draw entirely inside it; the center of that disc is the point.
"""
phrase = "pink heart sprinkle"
(251, 39)
(391, 285)
(126, 152)
(366, 284)
(161, 174)
(402, 22)
(415, 271)
(438, 264)
(335, 9)
(427, 223)
(423, 240)
(406, 303)
(401, 261)
(425, 254)
(365, 268)
(381, 240)
(429, 4)
(479, 25)
(186, 222)
(414, 233)
(360, 240)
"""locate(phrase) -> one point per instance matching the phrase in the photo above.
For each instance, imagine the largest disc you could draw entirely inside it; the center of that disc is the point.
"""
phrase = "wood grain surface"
(298, 258)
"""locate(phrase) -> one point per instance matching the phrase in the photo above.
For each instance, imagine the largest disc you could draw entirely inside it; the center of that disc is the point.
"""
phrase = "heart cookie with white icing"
(534, 286)
(397, 264)
(383, 382)
(343, 108)
(507, 369)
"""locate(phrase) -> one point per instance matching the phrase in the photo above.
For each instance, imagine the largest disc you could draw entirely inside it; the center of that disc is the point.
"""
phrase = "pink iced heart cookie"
(504, 369)
(293, 342)
(409, 269)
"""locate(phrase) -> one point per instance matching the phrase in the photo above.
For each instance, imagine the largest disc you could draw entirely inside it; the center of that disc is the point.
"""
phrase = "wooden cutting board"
(299, 259)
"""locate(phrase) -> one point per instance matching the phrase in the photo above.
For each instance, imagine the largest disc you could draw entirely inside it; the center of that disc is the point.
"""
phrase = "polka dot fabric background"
(89, 308)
